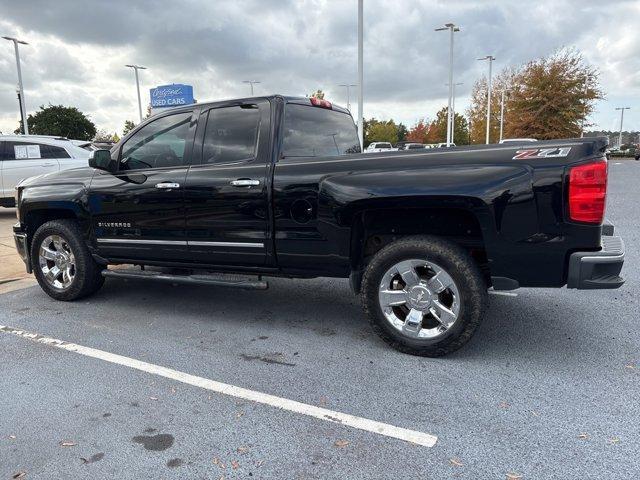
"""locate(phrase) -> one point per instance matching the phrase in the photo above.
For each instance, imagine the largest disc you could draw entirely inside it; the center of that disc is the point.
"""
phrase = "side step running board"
(213, 280)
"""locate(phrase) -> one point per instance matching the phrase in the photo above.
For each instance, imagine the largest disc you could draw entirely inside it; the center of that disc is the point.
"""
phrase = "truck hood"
(74, 175)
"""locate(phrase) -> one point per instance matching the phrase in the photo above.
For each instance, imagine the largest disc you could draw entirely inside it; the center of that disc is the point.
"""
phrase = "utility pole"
(348, 85)
(622, 109)
(502, 114)
(252, 83)
(23, 108)
(490, 58)
(135, 69)
(452, 29)
(453, 111)
(360, 72)
(584, 113)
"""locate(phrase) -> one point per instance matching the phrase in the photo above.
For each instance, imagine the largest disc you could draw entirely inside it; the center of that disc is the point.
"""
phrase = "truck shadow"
(534, 327)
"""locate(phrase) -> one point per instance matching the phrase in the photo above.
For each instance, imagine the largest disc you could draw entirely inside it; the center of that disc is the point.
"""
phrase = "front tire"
(62, 262)
(424, 295)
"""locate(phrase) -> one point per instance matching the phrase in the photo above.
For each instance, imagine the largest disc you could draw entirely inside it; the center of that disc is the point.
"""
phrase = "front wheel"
(62, 262)
(424, 295)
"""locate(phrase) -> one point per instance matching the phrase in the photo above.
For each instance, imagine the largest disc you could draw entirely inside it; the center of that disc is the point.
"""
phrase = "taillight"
(588, 192)
(319, 102)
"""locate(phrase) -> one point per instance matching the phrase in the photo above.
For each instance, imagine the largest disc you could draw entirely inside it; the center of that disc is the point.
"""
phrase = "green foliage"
(128, 126)
(61, 121)
(402, 132)
(380, 131)
(319, 94)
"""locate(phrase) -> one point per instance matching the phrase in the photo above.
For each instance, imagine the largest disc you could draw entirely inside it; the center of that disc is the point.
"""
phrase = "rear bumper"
(592, 270)
(22, 245)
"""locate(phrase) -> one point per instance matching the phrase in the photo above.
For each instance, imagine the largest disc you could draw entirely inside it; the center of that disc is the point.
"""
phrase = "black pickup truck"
(230, 192)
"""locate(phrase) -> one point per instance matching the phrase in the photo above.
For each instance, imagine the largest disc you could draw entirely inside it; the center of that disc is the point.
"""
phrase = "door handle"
(167, 185)
(47, 164)
(245, 182)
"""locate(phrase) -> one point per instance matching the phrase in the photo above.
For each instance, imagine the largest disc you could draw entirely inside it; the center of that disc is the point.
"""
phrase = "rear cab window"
(311, 131)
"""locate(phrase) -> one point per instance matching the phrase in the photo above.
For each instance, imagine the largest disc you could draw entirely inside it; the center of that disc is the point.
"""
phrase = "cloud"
(76, 55)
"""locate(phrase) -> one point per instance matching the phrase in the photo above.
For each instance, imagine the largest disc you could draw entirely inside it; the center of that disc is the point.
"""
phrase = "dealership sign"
(173, 95)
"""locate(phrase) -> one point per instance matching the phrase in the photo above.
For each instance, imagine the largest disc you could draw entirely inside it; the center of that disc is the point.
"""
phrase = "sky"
(77, 51)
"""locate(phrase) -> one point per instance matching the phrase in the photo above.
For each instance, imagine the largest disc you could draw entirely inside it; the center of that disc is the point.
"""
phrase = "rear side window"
(231, 134)
(318, 132)
(32, 151)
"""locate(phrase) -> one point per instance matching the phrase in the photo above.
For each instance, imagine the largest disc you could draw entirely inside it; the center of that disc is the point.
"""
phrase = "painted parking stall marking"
(412, 436)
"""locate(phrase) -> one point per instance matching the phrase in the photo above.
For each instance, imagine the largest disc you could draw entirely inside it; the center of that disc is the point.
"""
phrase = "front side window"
(158, 144)
(311, 131)
(231, 134)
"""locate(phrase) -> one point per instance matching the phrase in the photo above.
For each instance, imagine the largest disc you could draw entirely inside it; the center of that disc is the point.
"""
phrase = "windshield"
(316, 132)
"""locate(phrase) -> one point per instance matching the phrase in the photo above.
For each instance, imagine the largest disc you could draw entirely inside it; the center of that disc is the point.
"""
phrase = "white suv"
(24, 156)
(380, 147)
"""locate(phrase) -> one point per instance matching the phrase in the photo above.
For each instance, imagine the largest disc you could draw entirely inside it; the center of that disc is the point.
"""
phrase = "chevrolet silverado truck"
(231, 192)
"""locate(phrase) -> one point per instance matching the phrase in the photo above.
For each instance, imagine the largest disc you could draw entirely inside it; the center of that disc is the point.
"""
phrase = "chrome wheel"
(419, 299)
(57, 262)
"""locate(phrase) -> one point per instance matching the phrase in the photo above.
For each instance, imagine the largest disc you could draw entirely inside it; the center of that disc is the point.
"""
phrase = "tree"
(547, 98)
(438, 129)
(128, 126)
(319, 94)
(418, 132)
(105, 137)
(402, 132)
(61, 121)
(380, 131)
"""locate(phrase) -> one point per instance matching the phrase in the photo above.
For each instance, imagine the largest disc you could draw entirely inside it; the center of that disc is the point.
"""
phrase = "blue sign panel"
(173, 95)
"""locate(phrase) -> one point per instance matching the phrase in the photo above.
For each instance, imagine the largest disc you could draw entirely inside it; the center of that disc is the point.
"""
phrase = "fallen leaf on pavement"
(242, 450)
(19, 475)
(239, 414)
(341, 443)
(456, 462)
(614, 440)
(216, 461)
(153, 398)
(513, 476)
(323, 401)
(503, 405)
(631, 366)
(67, 443)
(583, 435)
(234, 464)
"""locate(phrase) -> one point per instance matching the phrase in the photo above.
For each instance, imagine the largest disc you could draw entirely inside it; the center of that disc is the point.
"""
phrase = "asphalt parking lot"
(547, 388)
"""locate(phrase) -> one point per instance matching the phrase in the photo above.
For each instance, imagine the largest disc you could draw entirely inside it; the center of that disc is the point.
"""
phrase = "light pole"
(135, 69)
(360, 73)
(622, 109)
(348, 85)
(252, 83)
(453, 111)
(502, 113)
(491, 58)
(452, 29)
(584, 113)
(23, 108)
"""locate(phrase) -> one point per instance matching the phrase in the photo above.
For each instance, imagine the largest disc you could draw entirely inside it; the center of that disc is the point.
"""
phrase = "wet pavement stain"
(94, 458)
(156, 443)
(274, 358)
(175, 462)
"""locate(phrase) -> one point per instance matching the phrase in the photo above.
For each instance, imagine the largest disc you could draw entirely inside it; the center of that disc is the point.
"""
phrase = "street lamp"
(453, 110)
(502, 113)
(251, 82)
(348, 85)
(622, 109)
(360, 72)
(491, 58)
(135, 69)
(23, 108)
(452, 28)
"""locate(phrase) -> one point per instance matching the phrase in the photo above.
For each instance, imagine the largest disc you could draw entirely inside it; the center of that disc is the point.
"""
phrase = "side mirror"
(101, 159)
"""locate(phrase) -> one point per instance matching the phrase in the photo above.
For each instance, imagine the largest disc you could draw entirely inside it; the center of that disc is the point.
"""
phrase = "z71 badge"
(542, 153)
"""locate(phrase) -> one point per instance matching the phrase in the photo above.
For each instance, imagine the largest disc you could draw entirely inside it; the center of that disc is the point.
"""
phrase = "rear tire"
(62, 262)
(435, 306)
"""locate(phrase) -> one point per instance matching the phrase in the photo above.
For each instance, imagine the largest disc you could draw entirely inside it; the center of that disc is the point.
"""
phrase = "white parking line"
(327, 415)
